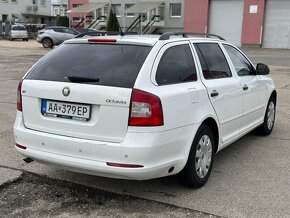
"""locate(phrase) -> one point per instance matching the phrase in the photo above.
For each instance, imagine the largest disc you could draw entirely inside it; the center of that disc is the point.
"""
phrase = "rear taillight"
(145, 109)
(19, 97)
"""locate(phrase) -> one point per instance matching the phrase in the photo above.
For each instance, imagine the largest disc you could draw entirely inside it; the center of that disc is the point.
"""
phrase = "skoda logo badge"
(65, 91)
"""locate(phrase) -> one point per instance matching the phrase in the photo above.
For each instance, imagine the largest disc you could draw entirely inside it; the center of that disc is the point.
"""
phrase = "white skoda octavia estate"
(141, 107)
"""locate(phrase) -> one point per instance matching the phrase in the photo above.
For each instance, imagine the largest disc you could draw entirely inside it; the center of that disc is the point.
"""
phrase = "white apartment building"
(25, 11)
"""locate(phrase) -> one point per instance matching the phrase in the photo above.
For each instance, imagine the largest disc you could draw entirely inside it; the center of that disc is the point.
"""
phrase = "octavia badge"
(66, 91)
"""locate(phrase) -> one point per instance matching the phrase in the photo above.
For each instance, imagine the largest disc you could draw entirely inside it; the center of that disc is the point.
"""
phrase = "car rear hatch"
(83, 90)
(19, 31)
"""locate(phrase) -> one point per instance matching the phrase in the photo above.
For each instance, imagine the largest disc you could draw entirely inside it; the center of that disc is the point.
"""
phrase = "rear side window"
(213, 62)
(59, 30)
(108, 65)
(18, 28)
(176, 66)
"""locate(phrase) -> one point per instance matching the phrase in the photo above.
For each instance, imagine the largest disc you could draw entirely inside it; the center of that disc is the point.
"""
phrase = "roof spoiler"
(101, 33)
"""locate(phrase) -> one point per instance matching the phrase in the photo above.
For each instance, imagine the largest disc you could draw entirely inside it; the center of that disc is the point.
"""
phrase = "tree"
(113, 24)
(62, 21)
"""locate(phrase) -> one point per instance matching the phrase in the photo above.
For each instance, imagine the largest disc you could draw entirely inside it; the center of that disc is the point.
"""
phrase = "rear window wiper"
(77, 79)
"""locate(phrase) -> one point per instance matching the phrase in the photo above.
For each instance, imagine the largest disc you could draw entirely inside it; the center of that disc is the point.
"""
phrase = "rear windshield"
(104, 64)
(18, 28)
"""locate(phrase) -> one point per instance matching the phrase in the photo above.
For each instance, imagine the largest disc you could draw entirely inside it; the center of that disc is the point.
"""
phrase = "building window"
(61, 12)
(117, 9)
(14, 1)
(76, 5)
(106, 11)
(4, 17)
(56, 12)
(175, 10)
(76, 19)
(129, 14)
(34, 2)
(42, 3)
(4, 1)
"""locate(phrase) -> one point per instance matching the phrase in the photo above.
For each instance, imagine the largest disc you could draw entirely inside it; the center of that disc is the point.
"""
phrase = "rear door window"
(213, 62)
(108, 65)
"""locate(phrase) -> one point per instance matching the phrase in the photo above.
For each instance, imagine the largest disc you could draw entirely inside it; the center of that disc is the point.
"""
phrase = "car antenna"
(120, 29)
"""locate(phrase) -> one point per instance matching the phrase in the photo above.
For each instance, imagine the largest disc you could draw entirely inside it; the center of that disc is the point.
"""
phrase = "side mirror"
(262, 69)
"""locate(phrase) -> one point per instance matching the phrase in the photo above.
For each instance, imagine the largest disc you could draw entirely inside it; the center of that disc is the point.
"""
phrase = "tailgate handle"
(214, 93)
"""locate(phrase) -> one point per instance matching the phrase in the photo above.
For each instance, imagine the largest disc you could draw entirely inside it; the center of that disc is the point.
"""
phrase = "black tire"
(269, 119)
(47, 43)
(23, 39)
(190, 175)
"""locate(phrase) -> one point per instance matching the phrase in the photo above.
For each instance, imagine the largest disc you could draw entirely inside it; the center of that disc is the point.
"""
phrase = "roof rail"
(166, 36)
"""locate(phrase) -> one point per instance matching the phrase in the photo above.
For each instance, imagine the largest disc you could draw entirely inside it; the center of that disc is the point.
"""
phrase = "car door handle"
(214, 93)
(245, 87)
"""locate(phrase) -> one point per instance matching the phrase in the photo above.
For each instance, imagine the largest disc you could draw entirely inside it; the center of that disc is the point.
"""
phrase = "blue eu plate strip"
(43, 106)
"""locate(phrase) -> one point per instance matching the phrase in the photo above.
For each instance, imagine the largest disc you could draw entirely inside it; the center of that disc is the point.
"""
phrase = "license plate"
(65, 110)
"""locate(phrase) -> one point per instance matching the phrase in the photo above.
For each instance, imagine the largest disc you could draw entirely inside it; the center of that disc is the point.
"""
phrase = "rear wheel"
(269, 119)
(47, 43)
(199, 164)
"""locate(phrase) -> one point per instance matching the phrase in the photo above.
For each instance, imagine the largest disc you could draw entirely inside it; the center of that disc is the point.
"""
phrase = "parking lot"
(250, 178)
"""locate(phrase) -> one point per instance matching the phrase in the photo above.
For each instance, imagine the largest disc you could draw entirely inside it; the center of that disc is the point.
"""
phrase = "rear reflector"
(124, 165)
(102, 40)
(20, 146)
(19, 97)
(145, 109)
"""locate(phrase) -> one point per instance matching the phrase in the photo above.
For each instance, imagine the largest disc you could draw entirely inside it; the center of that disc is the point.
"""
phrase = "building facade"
(25, 11)
(151, 16)
(263, 23)
(76, 17)
(59, 7)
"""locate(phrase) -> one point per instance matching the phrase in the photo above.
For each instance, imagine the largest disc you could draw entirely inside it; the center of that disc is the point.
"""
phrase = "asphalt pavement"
(250, 178)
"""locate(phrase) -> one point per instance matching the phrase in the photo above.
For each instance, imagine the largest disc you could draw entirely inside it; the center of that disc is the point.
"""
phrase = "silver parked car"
(55, 35)
(18, 32)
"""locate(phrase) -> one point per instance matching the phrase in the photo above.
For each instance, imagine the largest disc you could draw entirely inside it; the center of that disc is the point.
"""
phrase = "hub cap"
(203, 156)
(270, 115)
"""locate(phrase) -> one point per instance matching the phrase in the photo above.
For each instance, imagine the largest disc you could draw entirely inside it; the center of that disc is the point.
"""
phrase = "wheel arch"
(274, 95)
(212, 124)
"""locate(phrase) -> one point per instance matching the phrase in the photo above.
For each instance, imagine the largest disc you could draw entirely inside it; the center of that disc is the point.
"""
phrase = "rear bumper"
(19, 37)
(157, 152)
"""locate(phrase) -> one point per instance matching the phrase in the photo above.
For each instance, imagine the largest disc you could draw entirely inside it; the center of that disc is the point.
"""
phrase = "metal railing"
(97, 21)
(135, 23)
(150, 23)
